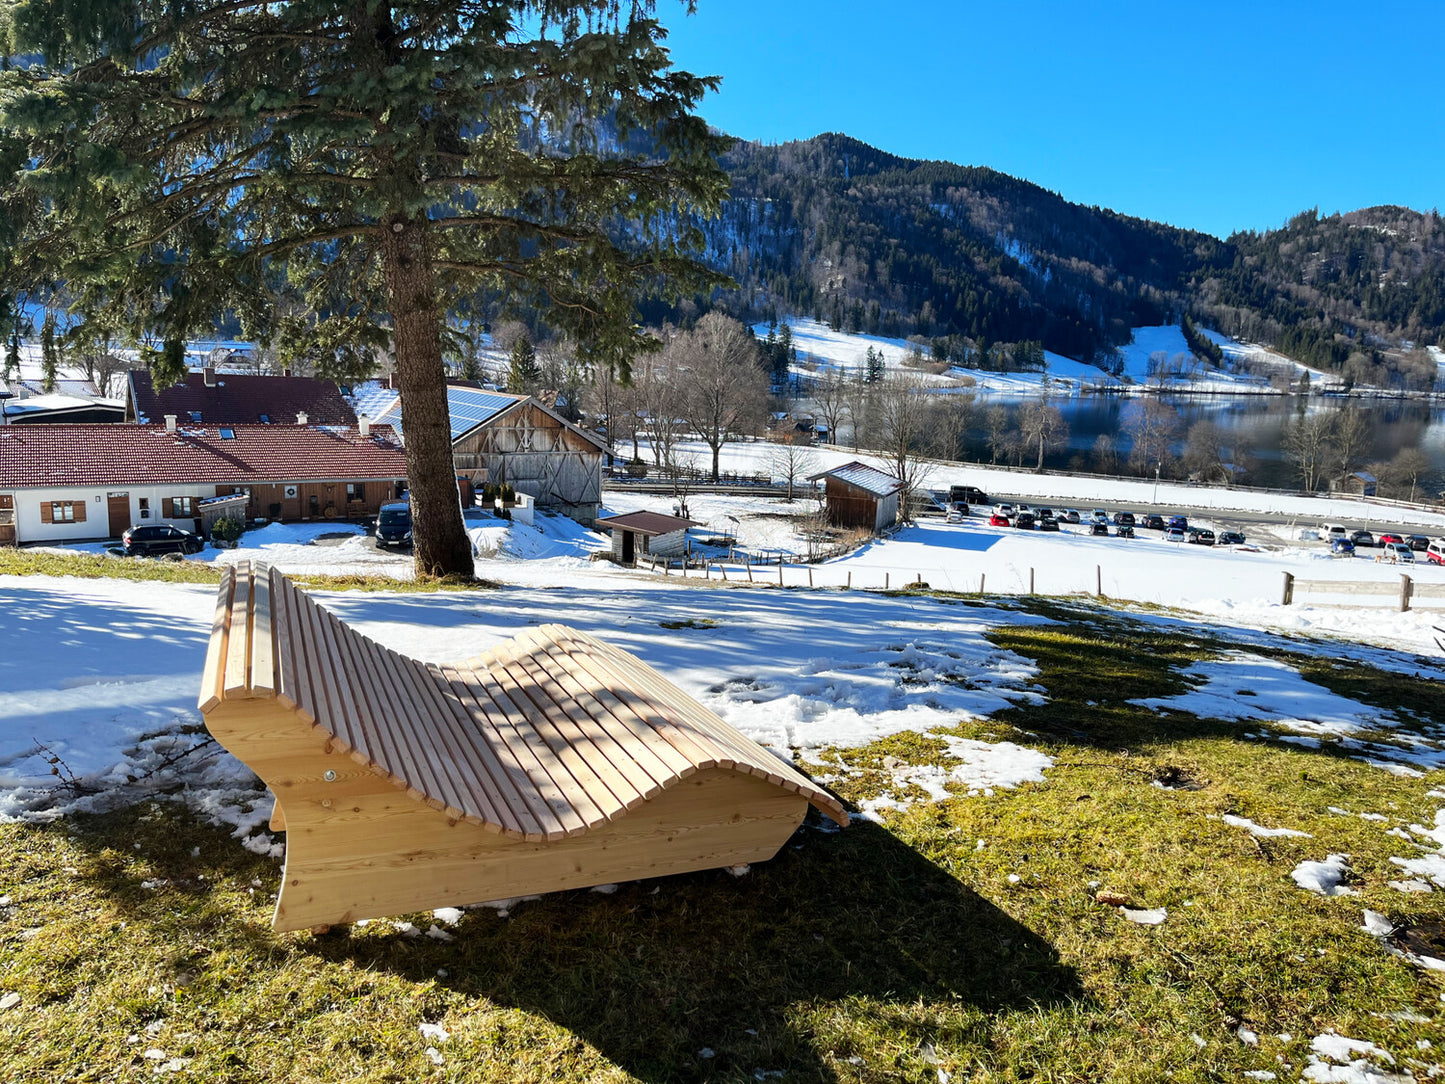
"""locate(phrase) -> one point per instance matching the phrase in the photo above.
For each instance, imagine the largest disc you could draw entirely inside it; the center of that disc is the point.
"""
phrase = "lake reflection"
(1256, 421)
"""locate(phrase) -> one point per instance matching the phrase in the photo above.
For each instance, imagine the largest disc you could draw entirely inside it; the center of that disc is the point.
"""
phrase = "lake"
(1256, 422)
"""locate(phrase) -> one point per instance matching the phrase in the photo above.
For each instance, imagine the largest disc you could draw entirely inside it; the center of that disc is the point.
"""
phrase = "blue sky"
(1215, 116)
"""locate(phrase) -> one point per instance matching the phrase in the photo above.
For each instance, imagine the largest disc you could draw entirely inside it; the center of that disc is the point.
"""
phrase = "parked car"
(1174, 534)
(1124, 531)
(1100, 516)
(1153, 522)
(1362, 538)
(998, 519)
(1201, 536)
(967, 494)
(1435, 552)
(393, 524)
(1332, 531)
(1398, 553)
(1342, 547)
(157, 538)
(1389, 538)
(1099, 528)
(1231, 538)
(1070, 515)
(953, 516)
(1124, 519)
(1008, 511)
(1044, 513)
(1178, 523)
(1418, 542)
(1024, 521)
(1048, 523)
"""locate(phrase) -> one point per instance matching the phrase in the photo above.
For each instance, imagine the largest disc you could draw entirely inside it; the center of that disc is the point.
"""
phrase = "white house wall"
(29, 528)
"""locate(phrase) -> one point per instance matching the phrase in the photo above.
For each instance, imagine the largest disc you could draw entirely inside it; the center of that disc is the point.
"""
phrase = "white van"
(1333, 531)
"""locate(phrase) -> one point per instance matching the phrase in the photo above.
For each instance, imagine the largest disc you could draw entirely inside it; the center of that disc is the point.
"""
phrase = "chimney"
(210, 376)
(363, 423)
(301, 417)
(170, 423)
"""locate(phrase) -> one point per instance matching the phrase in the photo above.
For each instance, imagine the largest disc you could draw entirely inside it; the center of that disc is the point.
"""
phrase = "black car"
(1124, 530)
(1024, 521)
(1201, 536)
(1362, 538)
(1178, 523)
(393, 525)
(1124, 519)
(1099, 528)
(1231, 538)
(1048, 523)
(157, 538)
(1417, 542)
(967, 495)
(1154, 523)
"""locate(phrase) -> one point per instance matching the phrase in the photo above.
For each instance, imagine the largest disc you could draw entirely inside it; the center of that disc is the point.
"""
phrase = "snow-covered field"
(819, 347)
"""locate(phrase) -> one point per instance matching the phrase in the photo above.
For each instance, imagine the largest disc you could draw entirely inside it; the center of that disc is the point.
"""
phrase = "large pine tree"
(385, 159)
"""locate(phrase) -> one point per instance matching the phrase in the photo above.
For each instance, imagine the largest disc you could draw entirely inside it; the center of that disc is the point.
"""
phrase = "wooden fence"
(1407, 590)
(802, 575)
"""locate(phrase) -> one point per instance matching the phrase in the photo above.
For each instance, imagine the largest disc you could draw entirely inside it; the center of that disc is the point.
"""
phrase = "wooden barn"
(639, 533)
(513, 440)
(858, 495)
(553, 761)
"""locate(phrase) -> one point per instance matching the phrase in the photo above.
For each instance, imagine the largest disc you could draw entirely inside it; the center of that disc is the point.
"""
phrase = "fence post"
(1098, 581)
(920, 578)
(724, 570)
(780, 571)
(684, 566)
(810, 575)
(749, 567)
(848, 583)
(885, 581)
(1031, 580)
(1406, 588)
(1288, 589)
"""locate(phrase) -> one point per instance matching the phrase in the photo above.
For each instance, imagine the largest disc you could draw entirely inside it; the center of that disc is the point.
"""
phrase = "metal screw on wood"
(330, 776)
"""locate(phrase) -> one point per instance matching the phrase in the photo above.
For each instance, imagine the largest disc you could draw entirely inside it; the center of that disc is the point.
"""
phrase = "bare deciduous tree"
(905, 421)
(724, 394)
(996, 423)
(1205, 453)
(830, 398)
(791, 459)
(1349, 436)
(1106, 454)
(1153, 427)
(1043, 427)
(1306, 443)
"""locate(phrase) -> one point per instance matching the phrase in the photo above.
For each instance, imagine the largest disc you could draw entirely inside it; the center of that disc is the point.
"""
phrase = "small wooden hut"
(858, 495)
(654, 533)
(553, 761)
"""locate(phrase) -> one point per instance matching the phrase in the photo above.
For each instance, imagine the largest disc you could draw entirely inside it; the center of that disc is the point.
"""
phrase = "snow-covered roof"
(863, 477)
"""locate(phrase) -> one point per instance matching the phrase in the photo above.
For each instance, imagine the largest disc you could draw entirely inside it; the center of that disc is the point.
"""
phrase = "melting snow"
(1259, 830)
(1326, 878)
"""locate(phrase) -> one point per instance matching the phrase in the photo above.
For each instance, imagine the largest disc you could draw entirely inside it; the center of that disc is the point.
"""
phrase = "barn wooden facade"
(505, 439)
(533, 450)
(857, 495)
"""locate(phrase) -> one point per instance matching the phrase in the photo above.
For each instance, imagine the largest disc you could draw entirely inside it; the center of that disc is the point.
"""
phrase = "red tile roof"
(240, 398)
(59, 455)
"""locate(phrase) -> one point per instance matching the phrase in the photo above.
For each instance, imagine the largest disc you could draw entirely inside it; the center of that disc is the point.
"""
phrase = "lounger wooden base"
(554, 761)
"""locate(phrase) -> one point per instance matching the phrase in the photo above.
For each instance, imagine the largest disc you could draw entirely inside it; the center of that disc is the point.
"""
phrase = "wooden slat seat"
(553, 760)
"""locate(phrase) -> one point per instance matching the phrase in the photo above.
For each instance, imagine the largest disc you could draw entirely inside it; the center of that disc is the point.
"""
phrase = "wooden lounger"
(553, 761)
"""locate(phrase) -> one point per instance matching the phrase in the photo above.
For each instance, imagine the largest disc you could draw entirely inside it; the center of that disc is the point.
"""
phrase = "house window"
(265, 419)
(62, 512)
(228, 434)
(180, 507)
(195, 415)
(355, 491)
(145, 508)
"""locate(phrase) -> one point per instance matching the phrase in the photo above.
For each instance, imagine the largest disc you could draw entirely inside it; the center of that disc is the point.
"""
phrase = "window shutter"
(46, 512)
(79, 507)
(168, 508)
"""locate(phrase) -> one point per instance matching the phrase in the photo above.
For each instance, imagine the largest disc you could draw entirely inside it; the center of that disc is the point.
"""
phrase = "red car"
(997, 520)
(1386, 539)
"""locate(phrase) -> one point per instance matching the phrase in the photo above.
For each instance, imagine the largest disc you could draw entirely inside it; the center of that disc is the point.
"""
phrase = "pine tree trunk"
(440, 542)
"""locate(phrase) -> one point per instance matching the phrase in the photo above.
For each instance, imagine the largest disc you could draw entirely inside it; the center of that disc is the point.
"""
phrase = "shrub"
(228, 529)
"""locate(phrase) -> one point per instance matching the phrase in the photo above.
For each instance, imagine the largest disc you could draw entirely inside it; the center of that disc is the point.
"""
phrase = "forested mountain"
(833, 228)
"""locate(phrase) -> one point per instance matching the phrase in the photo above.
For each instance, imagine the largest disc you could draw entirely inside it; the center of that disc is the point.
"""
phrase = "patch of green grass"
(690, 623)
(23, 562)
